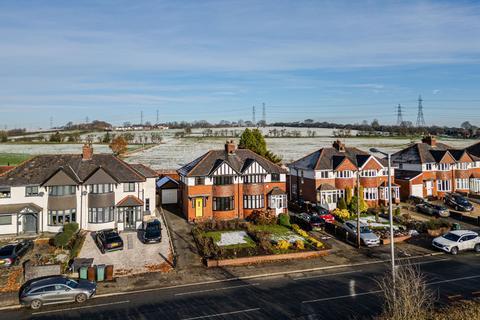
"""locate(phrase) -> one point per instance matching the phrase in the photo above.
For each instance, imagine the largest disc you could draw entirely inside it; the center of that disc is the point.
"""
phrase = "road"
(342, 293)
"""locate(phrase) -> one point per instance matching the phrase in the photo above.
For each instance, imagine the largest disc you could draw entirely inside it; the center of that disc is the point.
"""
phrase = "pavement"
(135, 257)
(349, 292)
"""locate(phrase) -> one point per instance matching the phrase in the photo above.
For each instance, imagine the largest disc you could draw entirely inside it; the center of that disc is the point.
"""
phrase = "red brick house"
(231, 184)
(324, 176)
(432, 169)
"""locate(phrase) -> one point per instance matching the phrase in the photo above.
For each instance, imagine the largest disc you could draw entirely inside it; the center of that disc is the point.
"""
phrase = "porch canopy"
(130, 201)
(19, 208)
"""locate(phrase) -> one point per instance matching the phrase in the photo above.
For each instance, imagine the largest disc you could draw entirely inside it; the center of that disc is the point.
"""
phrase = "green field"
(12, 158)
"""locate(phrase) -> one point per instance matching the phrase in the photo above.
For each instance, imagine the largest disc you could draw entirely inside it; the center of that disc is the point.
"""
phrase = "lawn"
(12, 158)
(274, 229)
(217, 236)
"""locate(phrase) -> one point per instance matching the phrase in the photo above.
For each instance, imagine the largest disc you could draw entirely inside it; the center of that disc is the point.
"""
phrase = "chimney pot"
(339, 145)
(87, 152)
(230, 147)
(430, 140)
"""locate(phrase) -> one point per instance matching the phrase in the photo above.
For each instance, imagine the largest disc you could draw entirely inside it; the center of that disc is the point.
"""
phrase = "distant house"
(326, 175)
(231, 183)
(97, 191)
(432, 169)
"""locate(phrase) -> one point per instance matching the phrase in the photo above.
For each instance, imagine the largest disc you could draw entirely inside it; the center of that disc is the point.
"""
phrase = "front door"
(30, 223)
(198, 207)
(130, 219)
(429, 188)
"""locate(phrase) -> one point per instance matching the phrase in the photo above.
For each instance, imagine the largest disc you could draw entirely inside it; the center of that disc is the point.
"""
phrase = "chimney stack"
(230, 147)
(339, 145)
(430, 140)
(87, 152)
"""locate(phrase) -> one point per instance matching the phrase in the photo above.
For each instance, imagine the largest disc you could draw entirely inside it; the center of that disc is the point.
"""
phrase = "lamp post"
(390, 213)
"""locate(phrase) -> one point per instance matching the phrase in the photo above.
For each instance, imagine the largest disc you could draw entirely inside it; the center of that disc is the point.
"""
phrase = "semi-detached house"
(231, 184)
(432, 169)
(97, 191)
(326, 175)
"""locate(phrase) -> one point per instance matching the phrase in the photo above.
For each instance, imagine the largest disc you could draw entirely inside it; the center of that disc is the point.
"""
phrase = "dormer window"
(428, 167)
(368, 173)
(222, 180)
(344, 174)
(443, 166)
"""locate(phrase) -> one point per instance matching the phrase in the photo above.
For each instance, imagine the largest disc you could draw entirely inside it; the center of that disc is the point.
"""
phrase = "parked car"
(323, 214)
(307, 221)
(11, 254)
(367, 237)
(458, 240)
(55, 289)
(108, 240)
(416, 199)
(151, 231)
(458, 202)
(433, 209)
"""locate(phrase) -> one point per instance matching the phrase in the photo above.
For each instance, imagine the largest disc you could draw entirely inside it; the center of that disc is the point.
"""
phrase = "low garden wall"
(266, 258)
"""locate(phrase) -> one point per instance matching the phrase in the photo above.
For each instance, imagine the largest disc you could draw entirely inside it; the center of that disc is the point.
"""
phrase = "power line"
(157, 116)
(253, 115)
(420, 119)
(264, 115)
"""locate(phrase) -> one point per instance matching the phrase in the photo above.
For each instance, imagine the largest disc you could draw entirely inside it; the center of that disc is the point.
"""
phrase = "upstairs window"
(323, 174)
(428, 167)
(368, 173)
(129, 187)
(222, 180)
(56, 191)
(5, 192)
(275, 177)
(101, 188)
(31, 191)
(344, 174)
(443, 166)
(199, 181)
(253, 178)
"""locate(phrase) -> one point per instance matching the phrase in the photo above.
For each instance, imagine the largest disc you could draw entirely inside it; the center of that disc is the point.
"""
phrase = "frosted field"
(175, 152)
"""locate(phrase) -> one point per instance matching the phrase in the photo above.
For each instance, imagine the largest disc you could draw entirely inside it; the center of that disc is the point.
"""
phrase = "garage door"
(417, 190)
(169, 196)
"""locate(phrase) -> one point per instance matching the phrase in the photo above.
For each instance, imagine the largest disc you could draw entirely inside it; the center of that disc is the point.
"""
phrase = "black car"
(458, 202)
(108, 240)
(433, 209)
(308, 222)
(10, 254)
(151, 231)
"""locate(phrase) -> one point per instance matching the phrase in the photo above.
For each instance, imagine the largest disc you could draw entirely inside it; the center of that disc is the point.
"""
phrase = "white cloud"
(435, 91)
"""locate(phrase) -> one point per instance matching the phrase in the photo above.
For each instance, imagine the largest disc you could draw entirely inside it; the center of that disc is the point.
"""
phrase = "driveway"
(135, 257)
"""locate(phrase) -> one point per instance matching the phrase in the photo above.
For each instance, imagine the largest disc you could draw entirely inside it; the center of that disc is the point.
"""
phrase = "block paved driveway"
(135, 257)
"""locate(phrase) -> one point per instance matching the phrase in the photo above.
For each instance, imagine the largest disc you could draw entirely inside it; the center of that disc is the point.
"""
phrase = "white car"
(458, 240)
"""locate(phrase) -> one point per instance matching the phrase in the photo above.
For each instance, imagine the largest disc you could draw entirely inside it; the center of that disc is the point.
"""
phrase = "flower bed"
(219, 241)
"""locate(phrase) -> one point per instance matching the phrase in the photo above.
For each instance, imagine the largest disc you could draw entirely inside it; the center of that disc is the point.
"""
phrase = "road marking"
(222, 314)
(217, 289)
(326, 275)
(343, 297)
(453, 280)
(351, 286)
(82, 307)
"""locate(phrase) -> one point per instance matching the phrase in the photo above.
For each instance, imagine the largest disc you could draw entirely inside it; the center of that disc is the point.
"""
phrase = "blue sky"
(325, 60)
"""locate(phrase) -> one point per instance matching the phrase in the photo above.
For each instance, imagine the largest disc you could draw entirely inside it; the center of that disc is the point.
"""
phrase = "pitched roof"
(238, 161)
(144, 170)
(16, 208)
(326, 187)
(130, 201)
(406, 174)
(421, 153)
(474, 149)
(40, 168)
(276, 191)
(330, 158)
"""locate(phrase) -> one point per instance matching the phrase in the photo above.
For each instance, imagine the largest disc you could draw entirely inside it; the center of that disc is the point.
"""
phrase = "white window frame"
(344, 174)
(444, 167)
(370, 193)
(331, 196)
(462, 183)
(368, 173)
(444, 185)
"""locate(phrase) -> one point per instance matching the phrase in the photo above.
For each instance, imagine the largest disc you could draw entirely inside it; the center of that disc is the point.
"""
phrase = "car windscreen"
(365, 230)
(7, 250)
(438, 207)
(71, 283)
(315, 219)
(153, 229)
(451, 237)
(112, 236)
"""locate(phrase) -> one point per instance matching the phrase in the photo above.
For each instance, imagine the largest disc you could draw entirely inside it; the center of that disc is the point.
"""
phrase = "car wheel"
(477, 247)
(80, 298)
(36, 304)
(454, 251)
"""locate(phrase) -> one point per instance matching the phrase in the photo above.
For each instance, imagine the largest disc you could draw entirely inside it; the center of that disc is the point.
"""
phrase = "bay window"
(253, 201)
(223, 203)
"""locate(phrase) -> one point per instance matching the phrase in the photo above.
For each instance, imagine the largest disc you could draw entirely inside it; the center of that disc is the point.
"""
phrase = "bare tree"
(409, 298)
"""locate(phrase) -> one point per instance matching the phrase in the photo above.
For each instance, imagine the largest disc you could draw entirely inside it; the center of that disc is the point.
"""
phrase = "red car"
(327, 217)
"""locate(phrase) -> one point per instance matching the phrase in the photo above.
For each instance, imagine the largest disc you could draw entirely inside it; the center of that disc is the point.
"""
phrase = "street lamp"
(390, 213)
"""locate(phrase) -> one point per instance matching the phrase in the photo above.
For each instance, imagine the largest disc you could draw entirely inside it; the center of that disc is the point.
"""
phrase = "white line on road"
(326, 275)
(222, 314)
(82, 307)
(217, 289)
(378, 291)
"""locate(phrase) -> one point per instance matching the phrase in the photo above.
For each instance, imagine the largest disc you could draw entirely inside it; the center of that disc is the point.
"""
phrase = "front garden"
(262, 235)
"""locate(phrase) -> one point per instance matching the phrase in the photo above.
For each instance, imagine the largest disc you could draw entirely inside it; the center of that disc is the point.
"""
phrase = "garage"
(167, 189)
(417, 190)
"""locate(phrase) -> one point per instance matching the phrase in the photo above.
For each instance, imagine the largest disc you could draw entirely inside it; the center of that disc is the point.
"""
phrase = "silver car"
(367, 237)
(55, 289)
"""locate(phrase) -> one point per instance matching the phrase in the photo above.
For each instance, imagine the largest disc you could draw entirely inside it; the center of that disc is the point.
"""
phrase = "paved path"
(343, 293)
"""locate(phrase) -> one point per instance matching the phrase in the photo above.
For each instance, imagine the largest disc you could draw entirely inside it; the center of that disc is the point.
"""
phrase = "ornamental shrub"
(299, 245)
(343, 214)
(283, 245)
(342, 204)
(284, 219)
(62, 239)
(71, 227)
